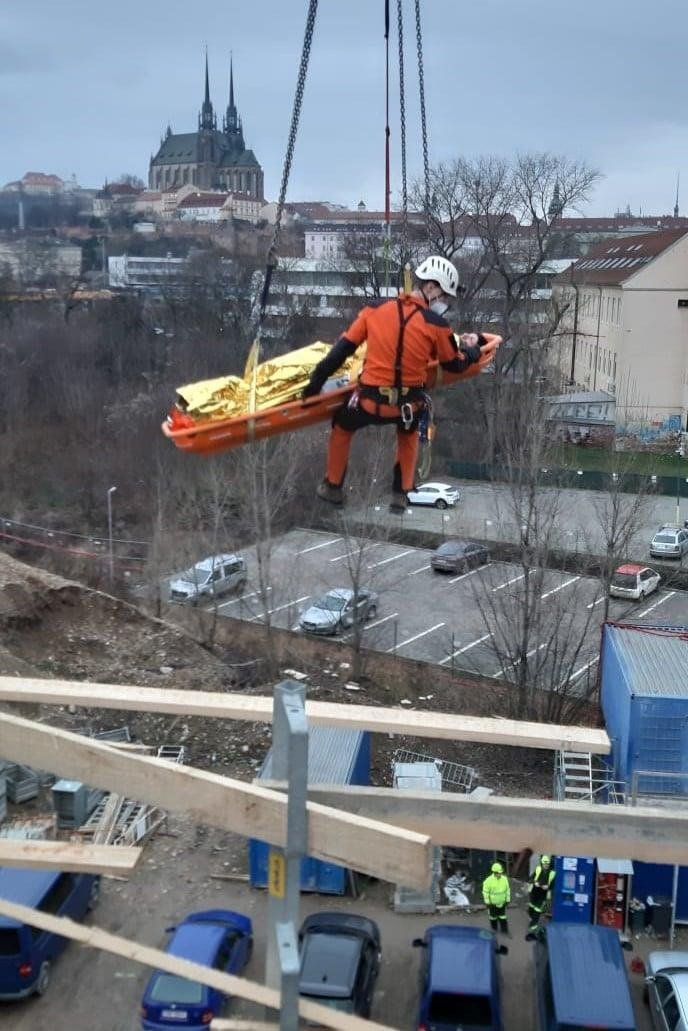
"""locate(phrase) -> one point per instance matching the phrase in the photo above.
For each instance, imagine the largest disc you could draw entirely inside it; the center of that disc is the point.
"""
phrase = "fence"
(584, 479)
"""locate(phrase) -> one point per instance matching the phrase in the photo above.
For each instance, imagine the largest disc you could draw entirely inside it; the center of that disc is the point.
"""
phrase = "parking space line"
(594, 603)
(463, 576)
(410, 640)
(460, 651)
(384, 562)
(414, 571)
(326, 544)
(235, 601)
(352, 554)
(581, 671)
(279, 608)
(561, 587)
(660, 602)
(371, 626)
(512, 581)
(501, 672)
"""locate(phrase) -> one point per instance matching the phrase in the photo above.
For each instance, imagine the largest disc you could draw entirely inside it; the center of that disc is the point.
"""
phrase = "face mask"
(438, 306)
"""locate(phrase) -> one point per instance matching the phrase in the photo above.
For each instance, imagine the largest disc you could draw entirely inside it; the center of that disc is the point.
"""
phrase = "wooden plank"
(645, 833)
(254, 708)
(223, 1024)
(103, 833)
(68, 855)
(377, 849)
(97, 938)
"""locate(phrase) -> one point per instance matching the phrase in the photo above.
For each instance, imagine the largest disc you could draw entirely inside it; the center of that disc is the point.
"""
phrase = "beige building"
(626, 329)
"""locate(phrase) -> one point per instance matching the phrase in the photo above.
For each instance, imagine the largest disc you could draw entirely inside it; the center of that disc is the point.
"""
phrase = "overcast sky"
(88, 87)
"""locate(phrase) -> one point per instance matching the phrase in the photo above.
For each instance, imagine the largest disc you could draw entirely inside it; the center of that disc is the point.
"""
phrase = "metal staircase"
(579, 777)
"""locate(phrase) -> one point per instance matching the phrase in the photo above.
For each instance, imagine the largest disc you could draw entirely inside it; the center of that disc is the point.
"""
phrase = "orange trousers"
(348, 420)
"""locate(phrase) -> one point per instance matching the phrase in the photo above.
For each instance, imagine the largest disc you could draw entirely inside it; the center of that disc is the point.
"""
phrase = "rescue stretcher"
(211, 436)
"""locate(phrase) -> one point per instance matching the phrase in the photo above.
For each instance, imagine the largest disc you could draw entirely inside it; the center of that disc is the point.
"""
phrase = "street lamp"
(110, 492)
(681, 451)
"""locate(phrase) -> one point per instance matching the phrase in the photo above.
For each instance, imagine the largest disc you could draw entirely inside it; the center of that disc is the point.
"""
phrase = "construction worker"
(403, 336)
(497, 896)
(540, 893)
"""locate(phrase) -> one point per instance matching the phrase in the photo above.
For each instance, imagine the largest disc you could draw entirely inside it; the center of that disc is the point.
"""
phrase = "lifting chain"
(423, 123)
(295, 114)
(402, 118)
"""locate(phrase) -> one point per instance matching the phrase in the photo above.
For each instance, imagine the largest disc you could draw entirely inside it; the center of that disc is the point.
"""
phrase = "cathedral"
(208, 158)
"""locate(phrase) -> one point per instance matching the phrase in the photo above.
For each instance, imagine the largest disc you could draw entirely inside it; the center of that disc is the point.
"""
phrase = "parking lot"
(458, 620)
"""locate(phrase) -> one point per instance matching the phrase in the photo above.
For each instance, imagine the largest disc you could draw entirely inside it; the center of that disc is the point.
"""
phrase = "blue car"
(460, 984)
(218, 938)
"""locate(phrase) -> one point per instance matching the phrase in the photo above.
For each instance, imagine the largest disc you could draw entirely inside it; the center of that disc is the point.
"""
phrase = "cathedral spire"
(232, 123)
(206, 119)
(678, 180)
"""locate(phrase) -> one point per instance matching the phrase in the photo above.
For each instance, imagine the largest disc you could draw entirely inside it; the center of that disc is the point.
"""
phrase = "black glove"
(472, 352)
(312, 389)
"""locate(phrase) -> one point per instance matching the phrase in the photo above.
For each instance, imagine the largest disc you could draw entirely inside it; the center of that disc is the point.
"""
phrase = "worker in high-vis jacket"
(403, 336)
(539, 893)
(497, 896)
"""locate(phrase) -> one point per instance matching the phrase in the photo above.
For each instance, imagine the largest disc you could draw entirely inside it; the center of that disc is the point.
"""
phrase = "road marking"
(392, 559)
(460, 651)
(594, 603)
(352, 554)
(414, 571)
(660, 602)
(235, 601)
(410, 640)
(501, 672)
(279, 608)
(581, 671)
(314, 547)
(560, 587)
(371, 626)
(463, 576)
(512, 581)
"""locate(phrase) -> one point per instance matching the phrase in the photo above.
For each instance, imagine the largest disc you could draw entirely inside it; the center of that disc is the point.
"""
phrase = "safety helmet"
(545, 860)
(497, 868)
(438, 269)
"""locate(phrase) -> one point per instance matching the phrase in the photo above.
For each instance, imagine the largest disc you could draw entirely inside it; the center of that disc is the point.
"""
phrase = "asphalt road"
(459, 621)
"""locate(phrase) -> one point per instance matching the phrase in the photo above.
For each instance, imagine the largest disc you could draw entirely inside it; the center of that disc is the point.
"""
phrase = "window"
(671, 1014)
(56, 896)
(447, 1008)
(9, 942)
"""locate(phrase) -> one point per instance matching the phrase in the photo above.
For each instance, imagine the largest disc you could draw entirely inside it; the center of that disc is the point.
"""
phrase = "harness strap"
(403, 321)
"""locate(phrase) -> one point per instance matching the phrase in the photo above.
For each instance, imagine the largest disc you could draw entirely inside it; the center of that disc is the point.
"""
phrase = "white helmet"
(439, 270)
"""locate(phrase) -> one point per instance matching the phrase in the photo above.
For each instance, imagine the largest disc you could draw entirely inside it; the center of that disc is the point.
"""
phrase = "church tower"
(207, 126)
(232, 126)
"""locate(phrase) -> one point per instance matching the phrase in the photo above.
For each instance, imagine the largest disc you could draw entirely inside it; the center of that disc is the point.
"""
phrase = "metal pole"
(110, 492)
(674, 895)
(290, 764)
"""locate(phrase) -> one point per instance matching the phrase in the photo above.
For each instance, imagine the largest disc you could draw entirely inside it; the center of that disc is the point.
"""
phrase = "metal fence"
(583, 479)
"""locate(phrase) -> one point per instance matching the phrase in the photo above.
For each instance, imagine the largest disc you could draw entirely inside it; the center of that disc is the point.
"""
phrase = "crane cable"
(402, 120)
(271, 264)
(388, 189)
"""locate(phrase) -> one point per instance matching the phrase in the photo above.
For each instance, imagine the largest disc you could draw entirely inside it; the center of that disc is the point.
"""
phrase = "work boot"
(327, 492)
(399, 503)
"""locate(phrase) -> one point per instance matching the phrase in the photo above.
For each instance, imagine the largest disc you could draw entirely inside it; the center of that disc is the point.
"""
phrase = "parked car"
(218, 938)
(337, 610)
(666, 990)
(210, 578)
(27, 953)
(340, 961)
(459, 979)
(669, 542)
(634, 581)
(581, 979)
(441, 495)
(458, 557)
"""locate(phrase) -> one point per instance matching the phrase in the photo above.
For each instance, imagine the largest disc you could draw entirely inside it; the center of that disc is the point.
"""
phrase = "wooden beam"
(651, 835)
(224, 1024)
(97, 938)
(374, 848)
(417, 723)
(68, 855)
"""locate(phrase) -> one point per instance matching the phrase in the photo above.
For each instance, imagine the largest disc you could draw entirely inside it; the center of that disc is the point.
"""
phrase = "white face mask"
(438, 306)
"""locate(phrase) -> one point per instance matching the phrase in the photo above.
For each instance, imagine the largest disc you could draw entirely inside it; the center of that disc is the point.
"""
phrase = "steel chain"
(402, 116)
(423, 123)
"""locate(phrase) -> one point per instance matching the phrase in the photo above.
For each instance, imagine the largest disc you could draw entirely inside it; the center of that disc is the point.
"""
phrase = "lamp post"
(681, 451)
(111, 556)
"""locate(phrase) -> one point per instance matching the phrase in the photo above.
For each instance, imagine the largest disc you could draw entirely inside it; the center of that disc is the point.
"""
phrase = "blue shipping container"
(335, 756)
(644, 698)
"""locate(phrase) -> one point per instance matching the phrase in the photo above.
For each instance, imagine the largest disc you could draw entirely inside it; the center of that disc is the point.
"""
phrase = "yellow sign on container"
(276, 874)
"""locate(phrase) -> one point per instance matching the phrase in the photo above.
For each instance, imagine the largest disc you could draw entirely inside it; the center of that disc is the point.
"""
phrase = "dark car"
(459, 979)
(340, 961)
(458, 557)
(218, 938)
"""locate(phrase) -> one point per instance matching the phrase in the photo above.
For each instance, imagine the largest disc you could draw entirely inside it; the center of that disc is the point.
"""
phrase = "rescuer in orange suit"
(404, 335)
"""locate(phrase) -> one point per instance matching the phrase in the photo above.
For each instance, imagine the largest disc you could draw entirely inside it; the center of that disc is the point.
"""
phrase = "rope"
(387, 172)
(423, 123)
(402, 118)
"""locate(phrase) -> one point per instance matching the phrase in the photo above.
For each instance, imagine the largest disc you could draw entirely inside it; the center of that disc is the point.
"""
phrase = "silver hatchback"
(669, 542)
(666, 990)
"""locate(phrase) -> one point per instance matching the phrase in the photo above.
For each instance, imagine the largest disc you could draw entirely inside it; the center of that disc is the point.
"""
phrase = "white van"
(210, 578)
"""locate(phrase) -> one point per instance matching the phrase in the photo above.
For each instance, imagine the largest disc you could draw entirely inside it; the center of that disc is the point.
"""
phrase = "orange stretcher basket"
(208, 438)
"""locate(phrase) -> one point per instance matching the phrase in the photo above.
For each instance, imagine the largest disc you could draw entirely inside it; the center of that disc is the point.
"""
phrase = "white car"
(634, 581)
(440, 495)
(666, 989)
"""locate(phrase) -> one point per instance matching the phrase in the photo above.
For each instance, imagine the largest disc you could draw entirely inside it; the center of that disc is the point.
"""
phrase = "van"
(581, 979)
(209, 578)
(459, 979)
(26, 952)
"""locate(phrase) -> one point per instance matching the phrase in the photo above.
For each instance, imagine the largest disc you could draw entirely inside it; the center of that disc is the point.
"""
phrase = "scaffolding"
(582, 777)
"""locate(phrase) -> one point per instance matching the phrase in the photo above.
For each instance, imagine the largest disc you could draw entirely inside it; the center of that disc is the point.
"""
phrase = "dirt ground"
(50, 627)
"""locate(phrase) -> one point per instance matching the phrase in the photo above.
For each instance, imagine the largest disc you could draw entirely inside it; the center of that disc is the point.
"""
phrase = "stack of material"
(277, 381)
